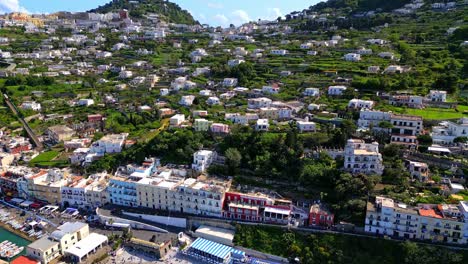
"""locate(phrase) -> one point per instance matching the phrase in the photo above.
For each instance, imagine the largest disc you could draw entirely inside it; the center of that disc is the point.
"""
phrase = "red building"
(94, 118)
(248, 207)
(123, 14)
(320, 216)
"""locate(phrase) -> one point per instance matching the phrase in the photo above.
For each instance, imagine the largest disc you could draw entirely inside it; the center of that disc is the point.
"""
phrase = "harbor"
(11, 245)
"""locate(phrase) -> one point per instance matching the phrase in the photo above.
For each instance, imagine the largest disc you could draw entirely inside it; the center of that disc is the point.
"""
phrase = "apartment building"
(109, 144)
(246, 206)
(405, 129)
(412, 101)
(443, 223)
(368, 118)
(177, 194)
(447, 131)
(257, 103)
(202, 159)
(73, 192)
(418, 170)
(47, 185)
(96, 191)
(361, 157)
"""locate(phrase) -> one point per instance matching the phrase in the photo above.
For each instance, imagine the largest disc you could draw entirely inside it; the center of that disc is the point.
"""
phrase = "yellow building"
(46, 185)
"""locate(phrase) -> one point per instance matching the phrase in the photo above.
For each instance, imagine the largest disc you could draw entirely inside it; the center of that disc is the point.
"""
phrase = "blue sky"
(213, 12)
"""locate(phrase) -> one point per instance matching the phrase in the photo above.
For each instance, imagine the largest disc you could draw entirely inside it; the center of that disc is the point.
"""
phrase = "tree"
(233, 159)
(460, 140)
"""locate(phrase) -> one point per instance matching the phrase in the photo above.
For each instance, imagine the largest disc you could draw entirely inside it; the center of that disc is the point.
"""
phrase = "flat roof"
(71, 227)
(216, 232)
(43, 244)
(86, 245)
(167, 184)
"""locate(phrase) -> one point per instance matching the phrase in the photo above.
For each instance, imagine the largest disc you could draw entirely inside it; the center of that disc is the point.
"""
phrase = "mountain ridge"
(172, 12)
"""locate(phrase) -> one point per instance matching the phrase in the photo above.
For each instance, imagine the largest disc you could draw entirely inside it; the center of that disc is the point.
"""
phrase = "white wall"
(172, 221)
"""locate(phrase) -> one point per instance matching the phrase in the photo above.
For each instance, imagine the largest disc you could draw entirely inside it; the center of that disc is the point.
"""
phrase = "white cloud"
(239, 17)
(215, 5)
(8, 6)
(222, 20)
(273, 13)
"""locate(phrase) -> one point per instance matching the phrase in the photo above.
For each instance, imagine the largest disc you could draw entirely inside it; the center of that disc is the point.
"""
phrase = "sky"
(212, 12)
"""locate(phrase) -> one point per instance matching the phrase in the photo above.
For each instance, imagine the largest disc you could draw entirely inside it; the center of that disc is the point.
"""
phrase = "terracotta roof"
(24, 260)
(429, 213)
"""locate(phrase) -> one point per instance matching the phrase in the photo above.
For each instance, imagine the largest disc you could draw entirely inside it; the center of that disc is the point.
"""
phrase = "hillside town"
(135, 136)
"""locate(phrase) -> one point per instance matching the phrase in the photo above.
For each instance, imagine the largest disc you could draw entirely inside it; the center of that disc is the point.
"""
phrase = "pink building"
(220, 128)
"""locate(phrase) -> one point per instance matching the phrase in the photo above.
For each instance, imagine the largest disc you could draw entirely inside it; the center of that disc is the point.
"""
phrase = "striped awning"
(214, 249)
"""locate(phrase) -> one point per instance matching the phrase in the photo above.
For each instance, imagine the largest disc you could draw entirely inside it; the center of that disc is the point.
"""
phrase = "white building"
(443, 223)
(257, 103)
(202, 159)
(177, 120)
(230, 82)
(305, 126)
(274, 89)
(364, 51)
(447, 131)
(279, 52)
(125, 74)
(85, 102)
(235, 62)
(437, 96)
(361, 157)
(311, 92)
(163, 91)
(369, 118)
(112, 143)
(262, 125)
(418, 170)
(213, 100)
(387, 55)
(187, 100)
(359, 104)
(205, 93)
(352, 57)
(31, 105)
(336, 90)
(376, 41)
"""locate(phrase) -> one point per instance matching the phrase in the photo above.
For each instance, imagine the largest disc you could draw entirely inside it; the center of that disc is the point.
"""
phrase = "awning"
(17, 200)
(439, 149)
(26, 203)
(32, 223)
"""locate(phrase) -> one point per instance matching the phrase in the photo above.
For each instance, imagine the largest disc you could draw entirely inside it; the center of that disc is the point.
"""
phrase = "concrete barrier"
(133, 224)
(165, 220)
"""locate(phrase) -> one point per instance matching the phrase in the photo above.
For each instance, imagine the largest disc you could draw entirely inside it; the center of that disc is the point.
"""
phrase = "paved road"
(28, 129)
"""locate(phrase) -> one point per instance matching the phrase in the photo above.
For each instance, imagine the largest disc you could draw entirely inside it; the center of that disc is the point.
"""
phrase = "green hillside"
(361, 5)
(138, 8)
